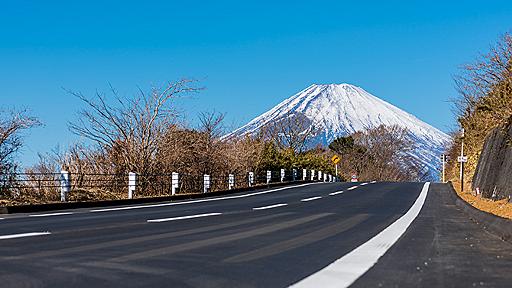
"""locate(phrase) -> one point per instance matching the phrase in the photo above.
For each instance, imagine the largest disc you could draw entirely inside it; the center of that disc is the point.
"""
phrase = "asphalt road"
(312, 235)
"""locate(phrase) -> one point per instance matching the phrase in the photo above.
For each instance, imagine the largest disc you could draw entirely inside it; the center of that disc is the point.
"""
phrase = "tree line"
(144, 134)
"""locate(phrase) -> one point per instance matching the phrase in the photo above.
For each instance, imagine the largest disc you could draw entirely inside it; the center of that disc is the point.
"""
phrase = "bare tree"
(292, 131)
(12, 124)
(210, 147)
(129, 129)
(380, 153)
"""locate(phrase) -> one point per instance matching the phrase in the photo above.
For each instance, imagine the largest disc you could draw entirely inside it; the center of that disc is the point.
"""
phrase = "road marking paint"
(363, 184)
(21, 235)
(183, 217)
(51, 214)
(373, 182)
(270, 206)
(352, 188)
(2, 218)
(198, 201)
(336, 193)
(311, 199)
(346, 270)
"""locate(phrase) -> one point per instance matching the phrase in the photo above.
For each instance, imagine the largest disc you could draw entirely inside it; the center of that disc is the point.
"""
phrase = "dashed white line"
(346, 270)
(51, 214)
(183, 217)
(373, 182)
(21, 235)
(311, 199)
(363, 184)
(336, 193)
(352, 188)
(198, 201)
(270, 206)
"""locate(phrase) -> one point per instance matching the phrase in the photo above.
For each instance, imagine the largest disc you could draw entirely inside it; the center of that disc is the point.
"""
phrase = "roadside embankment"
(489, 221)
(502, 208)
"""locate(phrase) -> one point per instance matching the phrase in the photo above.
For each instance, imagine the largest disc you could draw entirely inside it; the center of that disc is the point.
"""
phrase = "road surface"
(309, 235)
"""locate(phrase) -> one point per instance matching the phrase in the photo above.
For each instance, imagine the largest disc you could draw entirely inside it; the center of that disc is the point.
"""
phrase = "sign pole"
(336, 159)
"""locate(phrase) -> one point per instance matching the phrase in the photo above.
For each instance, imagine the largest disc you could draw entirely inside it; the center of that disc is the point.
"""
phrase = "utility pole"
(443, 160)
(462, 162)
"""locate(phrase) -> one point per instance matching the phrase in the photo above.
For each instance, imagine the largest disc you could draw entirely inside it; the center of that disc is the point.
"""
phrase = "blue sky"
(250, 55)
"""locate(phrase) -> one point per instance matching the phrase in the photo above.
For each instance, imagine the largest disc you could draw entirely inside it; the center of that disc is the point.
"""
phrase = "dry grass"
(502, 208)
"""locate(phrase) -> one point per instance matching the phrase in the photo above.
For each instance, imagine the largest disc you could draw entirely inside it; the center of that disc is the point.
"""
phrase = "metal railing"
(64, 186)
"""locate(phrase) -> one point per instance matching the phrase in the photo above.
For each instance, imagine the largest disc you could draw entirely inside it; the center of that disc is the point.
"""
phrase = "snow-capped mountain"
(341, 109)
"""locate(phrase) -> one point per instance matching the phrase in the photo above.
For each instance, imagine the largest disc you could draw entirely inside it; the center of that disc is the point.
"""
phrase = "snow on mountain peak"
(342, 109)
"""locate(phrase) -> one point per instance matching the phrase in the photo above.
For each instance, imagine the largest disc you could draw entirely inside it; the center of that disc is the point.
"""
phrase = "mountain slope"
(341, 109)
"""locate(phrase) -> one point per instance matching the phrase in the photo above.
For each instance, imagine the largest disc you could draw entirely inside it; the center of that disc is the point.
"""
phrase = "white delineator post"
(65, 185)
(132, 183)
(319, 175)
(282, 175)
(251, 179)
(206, 183)
(294, 175)
(304, 174)
(269, 176)
(174, 182)
(231, 181)
(312, 175)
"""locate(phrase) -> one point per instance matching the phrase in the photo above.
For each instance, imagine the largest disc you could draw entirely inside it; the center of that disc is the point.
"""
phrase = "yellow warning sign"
(336, 159)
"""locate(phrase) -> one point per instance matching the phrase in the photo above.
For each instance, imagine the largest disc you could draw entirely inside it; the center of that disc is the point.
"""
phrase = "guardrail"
(66, 186)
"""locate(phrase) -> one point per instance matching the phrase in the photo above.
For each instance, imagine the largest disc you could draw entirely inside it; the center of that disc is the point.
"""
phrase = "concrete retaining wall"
(494, 168)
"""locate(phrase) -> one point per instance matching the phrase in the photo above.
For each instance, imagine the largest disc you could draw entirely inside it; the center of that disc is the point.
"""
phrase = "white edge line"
(21, 235)
(311, 199)
(346, 270)
(50, 214)
(336, 193)
(198, 201)
(270, 206)
(183, 217)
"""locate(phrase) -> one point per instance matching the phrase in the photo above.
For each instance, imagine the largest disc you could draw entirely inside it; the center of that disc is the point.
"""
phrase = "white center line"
(311, 199)
(363, 184)
(270, 206)
(352, 188)
(51, 214)
(346, 270)
(183, 217)
(198, 201)
(21, 235)
(336, 193)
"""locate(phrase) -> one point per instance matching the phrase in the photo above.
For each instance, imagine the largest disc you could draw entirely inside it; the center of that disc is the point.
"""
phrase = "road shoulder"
(443, 248)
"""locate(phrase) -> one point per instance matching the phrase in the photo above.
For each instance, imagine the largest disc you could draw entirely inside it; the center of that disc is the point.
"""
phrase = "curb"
(496, 225)
(107, 203)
